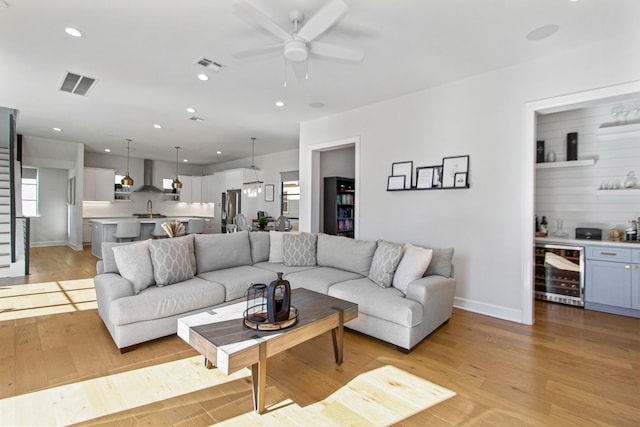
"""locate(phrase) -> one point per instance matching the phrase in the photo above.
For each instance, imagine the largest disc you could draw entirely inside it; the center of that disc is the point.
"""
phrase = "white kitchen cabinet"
(98, 185)
(208, 188)
(191, 191)
(185, 191)
(196, 189)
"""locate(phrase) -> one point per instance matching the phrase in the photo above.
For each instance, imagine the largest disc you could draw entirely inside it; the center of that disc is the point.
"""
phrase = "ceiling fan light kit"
(300, 43)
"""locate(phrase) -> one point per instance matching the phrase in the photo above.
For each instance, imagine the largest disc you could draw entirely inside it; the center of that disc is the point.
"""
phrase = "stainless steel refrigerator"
(231, 206)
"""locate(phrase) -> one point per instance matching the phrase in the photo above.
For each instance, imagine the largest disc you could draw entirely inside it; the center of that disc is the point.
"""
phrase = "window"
(290, 191)
(29, 192)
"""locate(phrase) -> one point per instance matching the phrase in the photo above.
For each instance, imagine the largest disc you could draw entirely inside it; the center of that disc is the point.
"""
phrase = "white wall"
(50, 228)
(484, 117)
(569, 194)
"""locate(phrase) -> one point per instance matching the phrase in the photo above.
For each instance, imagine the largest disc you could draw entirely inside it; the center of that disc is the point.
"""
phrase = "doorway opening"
(616, 93)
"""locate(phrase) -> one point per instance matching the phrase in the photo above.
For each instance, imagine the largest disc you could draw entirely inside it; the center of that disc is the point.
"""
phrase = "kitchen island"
(103, 230)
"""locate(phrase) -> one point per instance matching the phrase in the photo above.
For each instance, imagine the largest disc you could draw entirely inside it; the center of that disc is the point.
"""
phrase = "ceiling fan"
(300, 43)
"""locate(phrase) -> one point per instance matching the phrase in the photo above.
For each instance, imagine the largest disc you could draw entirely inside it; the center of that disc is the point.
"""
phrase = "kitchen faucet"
(150, 208)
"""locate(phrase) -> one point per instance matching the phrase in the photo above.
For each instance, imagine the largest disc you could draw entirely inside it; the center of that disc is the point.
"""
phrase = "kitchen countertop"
(142, 220)
(569, 241)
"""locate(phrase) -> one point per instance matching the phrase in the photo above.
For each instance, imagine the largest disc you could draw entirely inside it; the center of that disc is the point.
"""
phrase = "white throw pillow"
(276, 249)
(134, 264)
(415, 261)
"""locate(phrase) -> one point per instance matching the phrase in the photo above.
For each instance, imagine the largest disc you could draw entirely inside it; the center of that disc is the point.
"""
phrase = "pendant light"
(176, 184)
(253, 188)
(127, 181)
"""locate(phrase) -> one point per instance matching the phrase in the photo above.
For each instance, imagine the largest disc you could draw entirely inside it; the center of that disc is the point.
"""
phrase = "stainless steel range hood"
(148, 179)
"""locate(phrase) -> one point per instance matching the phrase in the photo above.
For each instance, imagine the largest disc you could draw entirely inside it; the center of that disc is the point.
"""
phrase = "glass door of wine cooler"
(559, 274)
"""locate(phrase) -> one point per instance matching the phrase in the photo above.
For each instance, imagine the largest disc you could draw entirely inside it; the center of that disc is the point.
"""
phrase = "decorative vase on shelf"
(631, 181)
(551, 157)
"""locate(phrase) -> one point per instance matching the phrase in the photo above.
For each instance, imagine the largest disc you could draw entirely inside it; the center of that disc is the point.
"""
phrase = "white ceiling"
(142, 52)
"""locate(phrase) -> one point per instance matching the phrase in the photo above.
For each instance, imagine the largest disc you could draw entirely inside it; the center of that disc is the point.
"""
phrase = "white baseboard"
(51, 243)
(488, 309)
(75, 247)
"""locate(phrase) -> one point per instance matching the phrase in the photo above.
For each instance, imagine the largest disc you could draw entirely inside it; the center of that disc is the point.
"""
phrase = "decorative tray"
(266, 326)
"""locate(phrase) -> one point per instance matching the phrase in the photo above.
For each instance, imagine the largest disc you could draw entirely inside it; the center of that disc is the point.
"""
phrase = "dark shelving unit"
(339, 206)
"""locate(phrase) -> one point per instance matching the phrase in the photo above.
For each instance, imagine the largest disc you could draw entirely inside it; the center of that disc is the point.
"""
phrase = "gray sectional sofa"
(142, 288)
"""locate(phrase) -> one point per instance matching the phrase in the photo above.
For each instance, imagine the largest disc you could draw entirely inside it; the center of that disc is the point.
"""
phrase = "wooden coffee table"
(221, 337)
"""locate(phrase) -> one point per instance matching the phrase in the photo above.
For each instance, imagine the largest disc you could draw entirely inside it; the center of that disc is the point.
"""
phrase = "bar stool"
(127, 231)
(158, 232)
(195, 226)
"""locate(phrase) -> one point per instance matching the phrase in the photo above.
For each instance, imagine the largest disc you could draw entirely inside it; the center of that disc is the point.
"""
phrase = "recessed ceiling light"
(57, 129)
(186, 160)
(73, 32)
(203, 77)
(191, 110)
(542, 32)
(218, 152)
(316, 105)
(108, 150)
(157, 126)
(280, 104)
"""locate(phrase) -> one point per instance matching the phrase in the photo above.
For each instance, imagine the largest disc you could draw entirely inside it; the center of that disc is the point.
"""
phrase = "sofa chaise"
(403, 292)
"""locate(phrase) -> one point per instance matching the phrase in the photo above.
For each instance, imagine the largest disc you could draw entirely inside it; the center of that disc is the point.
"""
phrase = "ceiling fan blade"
(333, 51)
(244, 9)
(247, 53)
(328, 15)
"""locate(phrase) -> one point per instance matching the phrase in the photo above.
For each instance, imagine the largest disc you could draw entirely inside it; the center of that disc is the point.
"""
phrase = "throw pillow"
(413, 264)
(134, 264)
(276, 251)
(171, 260)
(346, 254)
(259, 246)
(299, 249)
(384, 264)
(441, 262)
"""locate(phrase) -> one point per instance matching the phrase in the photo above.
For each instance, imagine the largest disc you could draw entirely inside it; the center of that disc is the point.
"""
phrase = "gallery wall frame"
(268, 193)
(405, 169)
(453, 173)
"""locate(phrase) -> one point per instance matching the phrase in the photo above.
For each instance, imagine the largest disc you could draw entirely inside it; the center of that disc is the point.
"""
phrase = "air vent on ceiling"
(209, 64)
(77, 84)
(196, 119)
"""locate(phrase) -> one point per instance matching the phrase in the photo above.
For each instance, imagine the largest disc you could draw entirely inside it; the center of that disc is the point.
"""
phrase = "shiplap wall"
(569, 193)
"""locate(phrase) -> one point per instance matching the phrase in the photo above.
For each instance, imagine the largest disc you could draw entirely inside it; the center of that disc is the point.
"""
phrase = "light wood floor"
(574, 367)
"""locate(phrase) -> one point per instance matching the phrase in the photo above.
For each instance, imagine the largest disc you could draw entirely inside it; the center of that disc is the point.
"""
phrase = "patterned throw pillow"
(134, 264)
(171, 261)
(299, 249)
(384, 264)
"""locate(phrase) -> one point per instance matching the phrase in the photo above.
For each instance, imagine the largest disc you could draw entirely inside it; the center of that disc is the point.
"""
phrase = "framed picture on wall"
(460, 180)
(268, 193)
(405, 169)
(395, 183)
(424, 176)
(437, 176)
(451, 166)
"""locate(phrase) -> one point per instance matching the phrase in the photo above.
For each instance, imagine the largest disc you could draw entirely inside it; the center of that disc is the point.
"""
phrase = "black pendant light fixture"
(127, 181)
(176, 184)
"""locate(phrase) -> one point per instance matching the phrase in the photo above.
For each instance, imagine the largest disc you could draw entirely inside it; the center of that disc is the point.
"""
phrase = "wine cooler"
(559, 274)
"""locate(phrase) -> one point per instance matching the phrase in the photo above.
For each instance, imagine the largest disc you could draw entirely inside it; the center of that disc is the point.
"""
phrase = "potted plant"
(262, 222)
